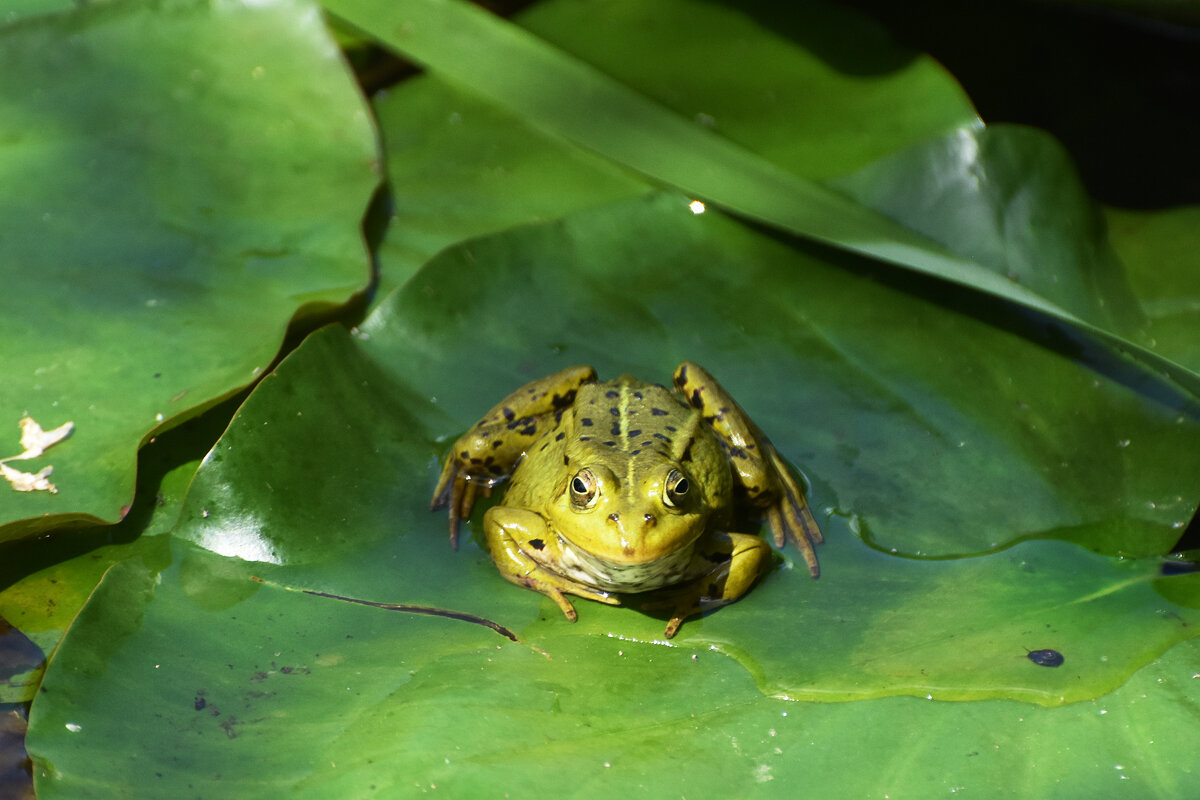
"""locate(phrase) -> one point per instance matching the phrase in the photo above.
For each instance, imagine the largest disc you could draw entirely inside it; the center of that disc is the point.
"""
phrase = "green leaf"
(325, 699)
(172, 198)
(569, 98)
(322, 482)
(1009, 199)
(1159, 250)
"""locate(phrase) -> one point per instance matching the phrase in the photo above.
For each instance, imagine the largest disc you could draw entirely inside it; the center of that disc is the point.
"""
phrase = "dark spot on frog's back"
(612, 393)
(658, 412)
(537, 544)
(509, 414)
(560, 436)
(1046, 658)
(616, 428)
(616, 412)
(586, 422)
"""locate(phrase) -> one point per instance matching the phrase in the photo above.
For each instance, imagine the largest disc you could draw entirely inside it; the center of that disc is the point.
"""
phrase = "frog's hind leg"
(487, 453)
(757, 468)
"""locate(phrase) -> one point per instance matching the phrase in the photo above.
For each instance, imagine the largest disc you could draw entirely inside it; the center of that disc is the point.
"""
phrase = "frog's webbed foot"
(560, 598)
(458, 490)
(790, 520)
(683, 608)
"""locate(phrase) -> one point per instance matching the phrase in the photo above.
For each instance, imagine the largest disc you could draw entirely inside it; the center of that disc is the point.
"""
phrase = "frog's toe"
(564, 605)
(789, 526)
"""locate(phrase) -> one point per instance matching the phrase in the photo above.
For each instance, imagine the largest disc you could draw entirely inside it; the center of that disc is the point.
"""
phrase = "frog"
(625, 489)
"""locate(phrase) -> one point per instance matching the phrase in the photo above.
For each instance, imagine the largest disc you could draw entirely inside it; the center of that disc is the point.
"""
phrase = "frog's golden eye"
(583, 489)
(677, 489)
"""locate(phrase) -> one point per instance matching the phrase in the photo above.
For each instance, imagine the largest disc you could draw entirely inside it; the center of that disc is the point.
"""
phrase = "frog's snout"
(648, 521)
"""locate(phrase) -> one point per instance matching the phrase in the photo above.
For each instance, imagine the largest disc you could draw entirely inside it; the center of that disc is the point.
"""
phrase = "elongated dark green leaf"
(179, 180)
(322, 482)
(556, 92)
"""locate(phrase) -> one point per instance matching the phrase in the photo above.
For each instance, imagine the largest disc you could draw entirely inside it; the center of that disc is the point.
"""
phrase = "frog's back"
(632, 416)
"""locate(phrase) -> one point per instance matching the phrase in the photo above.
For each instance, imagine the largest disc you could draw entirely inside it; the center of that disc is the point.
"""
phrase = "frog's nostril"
(614, 517)
(651, 520)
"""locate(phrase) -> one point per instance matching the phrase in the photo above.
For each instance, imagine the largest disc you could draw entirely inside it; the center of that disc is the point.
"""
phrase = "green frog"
(623, 487)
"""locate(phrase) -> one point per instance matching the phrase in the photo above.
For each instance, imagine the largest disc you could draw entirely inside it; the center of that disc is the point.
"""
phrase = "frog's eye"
(677, 489)
(583, 489)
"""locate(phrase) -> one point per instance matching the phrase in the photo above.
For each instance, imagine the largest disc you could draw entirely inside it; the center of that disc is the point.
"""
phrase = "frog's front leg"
(757, 467)
(486, 454)
(730, 563)
(523, 546)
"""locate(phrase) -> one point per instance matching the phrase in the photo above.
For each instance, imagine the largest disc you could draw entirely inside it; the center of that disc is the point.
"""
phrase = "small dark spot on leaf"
(1046, 658)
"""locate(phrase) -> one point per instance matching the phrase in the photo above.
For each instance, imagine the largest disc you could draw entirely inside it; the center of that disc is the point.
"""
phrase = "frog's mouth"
(609, 576)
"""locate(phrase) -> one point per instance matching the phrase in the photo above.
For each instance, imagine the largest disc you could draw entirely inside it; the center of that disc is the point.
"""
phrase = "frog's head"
(635, 512)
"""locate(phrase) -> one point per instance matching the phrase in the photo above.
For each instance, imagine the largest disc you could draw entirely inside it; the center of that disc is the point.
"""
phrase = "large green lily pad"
(322, 480)
(173, 198)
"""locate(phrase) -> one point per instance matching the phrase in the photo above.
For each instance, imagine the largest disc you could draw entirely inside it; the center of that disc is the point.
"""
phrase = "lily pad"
(321, 483)
(173, 199)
